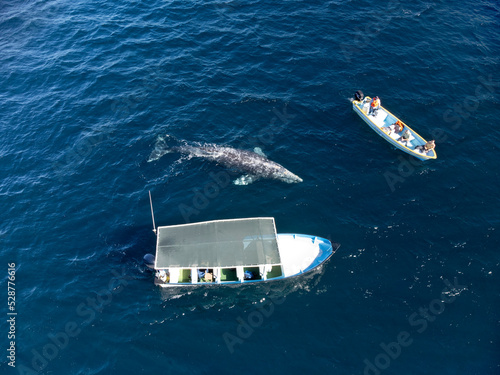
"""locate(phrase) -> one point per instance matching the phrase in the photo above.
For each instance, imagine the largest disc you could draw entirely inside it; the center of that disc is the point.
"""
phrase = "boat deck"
(297, 252)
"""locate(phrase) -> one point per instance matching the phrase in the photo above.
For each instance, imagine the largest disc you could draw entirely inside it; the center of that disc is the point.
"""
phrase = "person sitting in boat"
(248, 275)
(427, 147)
(405, 138)
(397, 127)
(374, 106)
(201, 274)
(163, 276)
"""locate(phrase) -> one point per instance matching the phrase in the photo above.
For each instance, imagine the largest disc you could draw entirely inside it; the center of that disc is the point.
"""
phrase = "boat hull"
(299, 254)
(384, 119)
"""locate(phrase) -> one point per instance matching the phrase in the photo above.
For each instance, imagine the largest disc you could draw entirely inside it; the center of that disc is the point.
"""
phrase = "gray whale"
(255, 165)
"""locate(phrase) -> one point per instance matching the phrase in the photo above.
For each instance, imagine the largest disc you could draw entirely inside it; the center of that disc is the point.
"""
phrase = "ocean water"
(86, 89)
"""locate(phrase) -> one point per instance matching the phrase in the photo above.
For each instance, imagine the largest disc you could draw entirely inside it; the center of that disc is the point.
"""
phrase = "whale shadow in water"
(253, 164)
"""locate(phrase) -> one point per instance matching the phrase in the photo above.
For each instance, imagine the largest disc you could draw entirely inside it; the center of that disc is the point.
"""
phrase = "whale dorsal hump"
(259, 151)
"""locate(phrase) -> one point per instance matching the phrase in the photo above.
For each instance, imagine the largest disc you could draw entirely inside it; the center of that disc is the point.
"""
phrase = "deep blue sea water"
(86, 89)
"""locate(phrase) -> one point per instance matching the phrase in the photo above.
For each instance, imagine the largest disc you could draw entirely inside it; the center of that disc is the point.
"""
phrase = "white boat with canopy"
(236, 251)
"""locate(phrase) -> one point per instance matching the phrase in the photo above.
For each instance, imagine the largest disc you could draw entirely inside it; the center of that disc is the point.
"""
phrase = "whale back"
(255, 165)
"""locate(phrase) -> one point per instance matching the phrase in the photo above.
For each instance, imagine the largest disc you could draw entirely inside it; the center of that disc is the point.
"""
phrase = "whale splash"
(253, 164)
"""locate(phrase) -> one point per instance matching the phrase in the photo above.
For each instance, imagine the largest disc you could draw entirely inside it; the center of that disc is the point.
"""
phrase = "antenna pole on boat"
(152, 214)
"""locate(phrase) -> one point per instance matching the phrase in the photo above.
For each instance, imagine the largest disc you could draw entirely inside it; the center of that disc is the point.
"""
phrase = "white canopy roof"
(219, 243)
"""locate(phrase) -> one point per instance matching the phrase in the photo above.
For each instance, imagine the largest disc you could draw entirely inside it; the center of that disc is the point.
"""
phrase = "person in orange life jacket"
(374, 106)
(397, 127)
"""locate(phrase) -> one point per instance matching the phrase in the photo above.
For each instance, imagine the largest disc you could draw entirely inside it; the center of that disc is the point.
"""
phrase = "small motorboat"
(383, 122)
(232, 252)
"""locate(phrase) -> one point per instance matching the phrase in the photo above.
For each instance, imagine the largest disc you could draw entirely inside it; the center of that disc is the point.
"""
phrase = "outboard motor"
(149, 260)
(358, 95)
